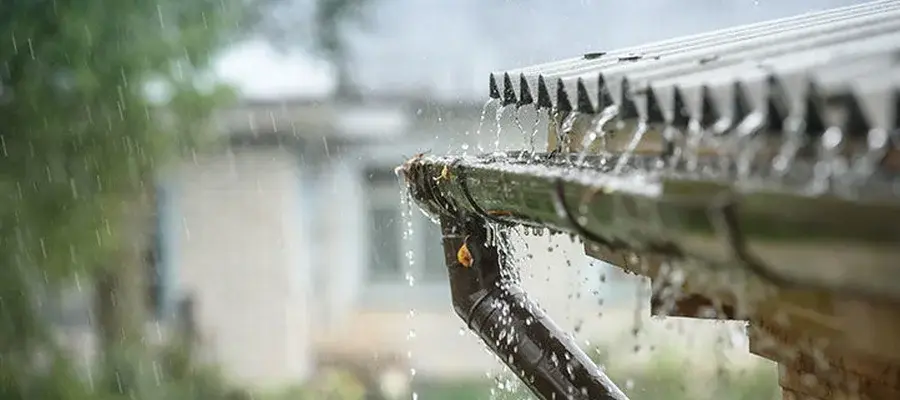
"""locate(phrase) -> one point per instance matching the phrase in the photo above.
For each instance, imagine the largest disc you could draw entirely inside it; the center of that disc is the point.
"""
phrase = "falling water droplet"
(632, 147)
(499, 127)
(481, 122)
(408, 238)
(597, 132)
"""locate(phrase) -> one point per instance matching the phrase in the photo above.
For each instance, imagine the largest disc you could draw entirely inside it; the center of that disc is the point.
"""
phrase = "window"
(386, 245)
(436, 269)
(388, 249)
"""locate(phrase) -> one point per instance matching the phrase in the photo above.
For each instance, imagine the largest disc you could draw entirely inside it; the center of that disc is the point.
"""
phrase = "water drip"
(828, 163)
(597, 131)
(534, 131)
(746, 144)
(499, 120)
(878, 143)
(566, 126)
(636, 138)
(481, 119)
(695, 139)
(795, 139)
(406, 203)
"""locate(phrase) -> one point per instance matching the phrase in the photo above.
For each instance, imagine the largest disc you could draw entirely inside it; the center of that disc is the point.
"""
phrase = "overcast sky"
(447, 48)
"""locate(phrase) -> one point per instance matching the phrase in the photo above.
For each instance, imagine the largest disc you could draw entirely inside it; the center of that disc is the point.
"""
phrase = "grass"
(668, 377)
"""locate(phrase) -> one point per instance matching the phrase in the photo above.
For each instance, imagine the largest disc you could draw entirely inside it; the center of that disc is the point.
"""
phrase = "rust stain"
(445, 174)
(500, 213)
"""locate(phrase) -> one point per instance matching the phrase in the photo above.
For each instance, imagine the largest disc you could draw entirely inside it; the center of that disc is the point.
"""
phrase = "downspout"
(487, 296)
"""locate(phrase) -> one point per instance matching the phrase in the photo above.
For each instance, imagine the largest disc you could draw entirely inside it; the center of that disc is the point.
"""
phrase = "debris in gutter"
(631, 57)
(708, 59)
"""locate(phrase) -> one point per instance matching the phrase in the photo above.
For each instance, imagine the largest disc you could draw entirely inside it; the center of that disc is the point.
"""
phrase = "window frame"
(429, 291)
(380, 199)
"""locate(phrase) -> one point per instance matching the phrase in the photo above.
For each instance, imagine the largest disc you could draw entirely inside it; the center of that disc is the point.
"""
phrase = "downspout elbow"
(488, 298)
(494, 306)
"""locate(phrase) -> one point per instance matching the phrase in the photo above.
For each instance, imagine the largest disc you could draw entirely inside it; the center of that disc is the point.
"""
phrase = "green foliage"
(78, 130)
(752, 384)
(670, 375)
(451, 390)
(332, 384)
(80, 141)
(665, 378)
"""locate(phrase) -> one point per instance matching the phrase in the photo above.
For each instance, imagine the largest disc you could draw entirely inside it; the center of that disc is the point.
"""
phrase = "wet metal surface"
(851, 51)
(783, 236)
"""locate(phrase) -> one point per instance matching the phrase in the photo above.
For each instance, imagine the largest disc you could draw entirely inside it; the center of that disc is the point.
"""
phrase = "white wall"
(340, 224)
(241, 251)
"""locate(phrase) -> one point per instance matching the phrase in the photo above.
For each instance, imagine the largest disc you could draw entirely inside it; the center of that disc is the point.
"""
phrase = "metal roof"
(799, 65)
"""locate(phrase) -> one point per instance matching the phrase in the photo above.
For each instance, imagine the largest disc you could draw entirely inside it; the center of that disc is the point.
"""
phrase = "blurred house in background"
(298, 252)
(291, 243)
(294, 250)
(291, 249)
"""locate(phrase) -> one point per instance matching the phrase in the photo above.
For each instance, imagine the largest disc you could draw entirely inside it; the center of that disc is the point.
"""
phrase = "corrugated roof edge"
(782, 67)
